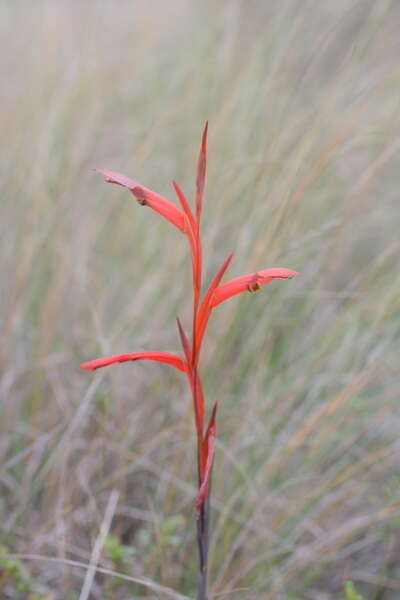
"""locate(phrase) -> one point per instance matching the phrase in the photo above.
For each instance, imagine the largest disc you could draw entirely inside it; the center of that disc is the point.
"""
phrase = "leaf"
(201, 173)
(208, 450)
(184, 342)
(192, 232)
(206, 306)
(195, 384)
(250, 283)
(147, 197)
(165, 357)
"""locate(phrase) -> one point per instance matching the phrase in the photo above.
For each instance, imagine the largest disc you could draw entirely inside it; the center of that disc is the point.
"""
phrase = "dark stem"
(202, 541)
(203, 522)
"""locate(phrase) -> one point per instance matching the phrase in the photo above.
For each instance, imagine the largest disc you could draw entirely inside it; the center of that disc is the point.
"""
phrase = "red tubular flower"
(188, 222)
(166, 357)
(147, 197)
(250, 283)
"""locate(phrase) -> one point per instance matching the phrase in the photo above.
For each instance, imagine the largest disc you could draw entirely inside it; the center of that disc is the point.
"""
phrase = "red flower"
(166, 357)
(147, 197)
(250, 283)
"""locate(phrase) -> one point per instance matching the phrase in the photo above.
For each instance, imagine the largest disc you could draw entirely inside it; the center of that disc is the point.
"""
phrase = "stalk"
(203, 544)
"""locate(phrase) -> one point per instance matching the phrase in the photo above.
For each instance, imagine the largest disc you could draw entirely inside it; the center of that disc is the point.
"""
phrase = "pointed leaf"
(192, 232)
(184, 342)
(195, 384)
(210, 428)
(201, 173)
(147, 197)
(250, 283)
(208, 452)
(185, 204)
(166, 357)
(206, 306)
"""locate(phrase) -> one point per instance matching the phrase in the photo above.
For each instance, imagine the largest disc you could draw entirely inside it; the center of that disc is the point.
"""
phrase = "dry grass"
(303, 103)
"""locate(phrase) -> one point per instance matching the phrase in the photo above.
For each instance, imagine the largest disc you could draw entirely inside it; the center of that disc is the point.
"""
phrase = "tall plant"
(188, 222)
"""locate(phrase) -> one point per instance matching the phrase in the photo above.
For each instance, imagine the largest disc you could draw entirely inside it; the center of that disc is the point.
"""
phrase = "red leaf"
(201, 173)
(208, 449)
(206, 306)
(147, 197)
(185, 205)
(250, 283)
(192, 232)
(195, 384)
(184, 342)
(166, 357)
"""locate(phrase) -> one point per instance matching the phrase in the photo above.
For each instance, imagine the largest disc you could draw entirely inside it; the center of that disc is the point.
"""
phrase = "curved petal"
(166, 357)
(250, 283)
(147, 197)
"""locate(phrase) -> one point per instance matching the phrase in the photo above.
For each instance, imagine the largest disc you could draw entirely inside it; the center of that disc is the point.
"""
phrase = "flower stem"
(203, 541)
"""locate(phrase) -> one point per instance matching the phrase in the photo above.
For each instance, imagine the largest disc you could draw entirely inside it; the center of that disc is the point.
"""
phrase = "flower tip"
(102, 172)
(204, 137)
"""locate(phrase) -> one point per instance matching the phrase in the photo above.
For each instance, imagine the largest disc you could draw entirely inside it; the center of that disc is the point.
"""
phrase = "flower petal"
(166, 357)
(147, 197)
(250, 283)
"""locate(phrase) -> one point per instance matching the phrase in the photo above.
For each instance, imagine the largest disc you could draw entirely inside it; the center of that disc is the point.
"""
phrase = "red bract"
(201, 173)
(188, 222)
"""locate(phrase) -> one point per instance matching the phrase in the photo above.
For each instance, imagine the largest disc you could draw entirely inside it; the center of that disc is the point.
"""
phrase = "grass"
(303, 105)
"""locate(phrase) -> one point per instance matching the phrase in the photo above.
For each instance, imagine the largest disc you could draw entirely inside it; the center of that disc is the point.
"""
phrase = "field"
(97, 473)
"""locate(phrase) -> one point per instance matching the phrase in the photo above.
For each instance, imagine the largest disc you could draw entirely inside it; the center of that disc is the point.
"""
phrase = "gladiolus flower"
(250, 283)
(147, 197)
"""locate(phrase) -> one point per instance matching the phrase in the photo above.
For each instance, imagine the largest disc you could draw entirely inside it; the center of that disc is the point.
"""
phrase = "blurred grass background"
(303, 103)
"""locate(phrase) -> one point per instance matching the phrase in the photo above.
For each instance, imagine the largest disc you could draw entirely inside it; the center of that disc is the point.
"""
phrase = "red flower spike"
(207, 452)
(187, 220)
(147, 197)
(250, 283)
(201, 173)
(166, 357)
(206, 306)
